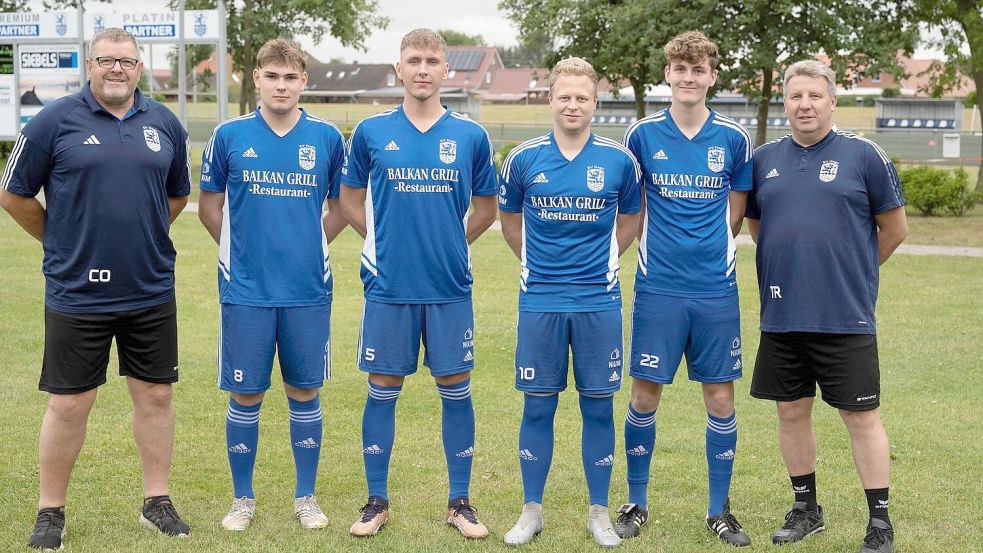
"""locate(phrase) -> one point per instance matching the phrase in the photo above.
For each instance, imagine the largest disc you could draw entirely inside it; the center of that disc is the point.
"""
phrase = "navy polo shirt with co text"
(817, 244)
(106, 183)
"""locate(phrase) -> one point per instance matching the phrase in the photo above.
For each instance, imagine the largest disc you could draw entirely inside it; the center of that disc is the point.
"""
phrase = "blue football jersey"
(419, 187)
(273, 252)
(817, 244)
(569, 210)
(686, 248)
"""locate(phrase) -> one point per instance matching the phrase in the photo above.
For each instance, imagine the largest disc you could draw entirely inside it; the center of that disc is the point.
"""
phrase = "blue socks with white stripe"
(457, 423)
(536, 444)
(721, 446)
(597, 445)
(378, 435)
(305, 434)
(241, 438)
(639, 443)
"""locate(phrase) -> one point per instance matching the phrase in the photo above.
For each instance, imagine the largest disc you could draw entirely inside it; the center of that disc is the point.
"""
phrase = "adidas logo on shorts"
(737, 366)
(240, 448)
(605, 462)
(540, 179)
(309, 443)
(469, 452)
(614, 377)
(392, 147)
(372, 450)
(726, 456)
(638, 451)
(469, 356)
(527, 455)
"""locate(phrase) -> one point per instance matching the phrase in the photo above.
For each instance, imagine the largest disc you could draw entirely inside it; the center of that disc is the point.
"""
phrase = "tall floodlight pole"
(182, 77)
(223, 65)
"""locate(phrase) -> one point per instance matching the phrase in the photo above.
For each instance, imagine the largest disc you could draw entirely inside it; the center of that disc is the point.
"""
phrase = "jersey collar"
(706, 125)
(818, 145)
(139, 102)
(441, 119)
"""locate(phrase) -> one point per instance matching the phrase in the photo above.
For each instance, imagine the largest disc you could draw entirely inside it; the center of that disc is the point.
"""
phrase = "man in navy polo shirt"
(114, 169)
(826, 210)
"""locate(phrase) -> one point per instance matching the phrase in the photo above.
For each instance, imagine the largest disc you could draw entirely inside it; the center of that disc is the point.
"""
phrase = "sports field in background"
(930, 331)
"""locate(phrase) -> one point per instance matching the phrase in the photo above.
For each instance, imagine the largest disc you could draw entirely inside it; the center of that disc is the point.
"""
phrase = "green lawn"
(930, 331)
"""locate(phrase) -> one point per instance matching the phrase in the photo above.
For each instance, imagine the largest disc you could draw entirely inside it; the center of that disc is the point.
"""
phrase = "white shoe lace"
(309, 513)
(241, 513)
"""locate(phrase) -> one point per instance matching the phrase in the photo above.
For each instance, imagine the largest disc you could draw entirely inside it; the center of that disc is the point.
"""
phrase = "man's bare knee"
(792, 412)
(69, 408)
(861, 420)
(152, 395)
(645, 395)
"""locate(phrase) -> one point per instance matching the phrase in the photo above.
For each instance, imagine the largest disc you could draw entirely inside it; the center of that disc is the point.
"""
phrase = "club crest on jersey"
(595, 178)
(827, 172)
(715, 158)
(448, 151)
(308, 156)
(152, 139)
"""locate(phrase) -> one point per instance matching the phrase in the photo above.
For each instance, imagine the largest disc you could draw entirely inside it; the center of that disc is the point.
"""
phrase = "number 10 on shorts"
(526, 373)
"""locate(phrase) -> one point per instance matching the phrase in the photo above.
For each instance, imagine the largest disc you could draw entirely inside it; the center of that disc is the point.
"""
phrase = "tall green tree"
(532, 51)
(958, 24)
(622, 40)
(253, 22)
(861, 37)
(458, 38)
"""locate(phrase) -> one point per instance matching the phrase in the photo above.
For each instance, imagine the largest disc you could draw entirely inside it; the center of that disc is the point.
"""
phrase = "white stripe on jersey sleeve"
(880, 152)
(654, 118)
(211, 141)
(531, 143)
(15, 153)
(348, 145)
(731, 124)
(608, 143)
(491, 149)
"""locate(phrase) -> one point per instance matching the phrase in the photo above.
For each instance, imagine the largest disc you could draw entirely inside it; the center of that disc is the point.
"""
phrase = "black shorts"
(790, 364)
(76, 347)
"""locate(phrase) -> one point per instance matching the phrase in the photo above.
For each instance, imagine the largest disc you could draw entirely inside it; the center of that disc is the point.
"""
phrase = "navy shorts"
(545, 341)
(706, 330)
(845, 366)
(300, 336)
(76, 347)
(392, 332)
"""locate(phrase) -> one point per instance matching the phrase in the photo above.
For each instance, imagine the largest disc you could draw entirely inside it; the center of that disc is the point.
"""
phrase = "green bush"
(868, 101)
(501, 154)
(937, 191)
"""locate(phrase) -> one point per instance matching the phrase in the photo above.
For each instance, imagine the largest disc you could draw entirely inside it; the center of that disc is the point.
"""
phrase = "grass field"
(930, 331)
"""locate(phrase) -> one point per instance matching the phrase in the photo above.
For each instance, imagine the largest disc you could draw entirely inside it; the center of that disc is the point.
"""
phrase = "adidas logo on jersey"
(240, 448)
(540, 179)
(91, 140)
(527, 455)
(392, 147)
(726, 456)
(372, 450)
(250, 152)
(469, 356)
(605, 462)
(638, 451)
(309, 443)
(661, 154)
(614, 377)
(772, 174)
(469, 452)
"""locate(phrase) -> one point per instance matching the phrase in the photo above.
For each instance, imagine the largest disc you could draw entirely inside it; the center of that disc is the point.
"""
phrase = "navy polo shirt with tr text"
(106, 184)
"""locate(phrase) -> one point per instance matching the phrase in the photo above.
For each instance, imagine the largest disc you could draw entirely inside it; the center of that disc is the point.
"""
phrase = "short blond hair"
(424, 39)
(281, 51)
(113, 34)
(692, 47)
(573, 67)
(811, 68)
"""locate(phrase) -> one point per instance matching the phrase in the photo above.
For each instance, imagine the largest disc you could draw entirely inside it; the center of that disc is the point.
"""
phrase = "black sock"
(877, 503)
(804, 488)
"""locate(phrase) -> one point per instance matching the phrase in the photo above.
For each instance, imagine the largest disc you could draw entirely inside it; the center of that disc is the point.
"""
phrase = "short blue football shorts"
(392, 332)
(707, 330)
(543, 348)
(300, 336)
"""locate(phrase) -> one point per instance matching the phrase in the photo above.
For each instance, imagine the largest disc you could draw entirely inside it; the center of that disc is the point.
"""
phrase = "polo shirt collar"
(139, 102)
(826, 140)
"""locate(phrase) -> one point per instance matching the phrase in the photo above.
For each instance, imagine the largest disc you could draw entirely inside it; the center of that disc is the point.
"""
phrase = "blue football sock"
(241, 439)
(597, 445)
(305, 435)
(721, 446)
(457, 423)
(378, 435)
(639, 443)
(536, 444)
